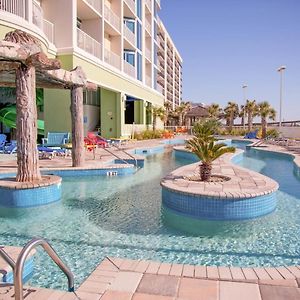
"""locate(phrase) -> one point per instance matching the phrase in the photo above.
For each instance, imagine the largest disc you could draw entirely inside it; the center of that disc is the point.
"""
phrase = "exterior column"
(78, 154)
(27, 154)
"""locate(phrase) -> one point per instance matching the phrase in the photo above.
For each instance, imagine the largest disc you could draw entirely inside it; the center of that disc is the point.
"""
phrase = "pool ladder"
(18, 266)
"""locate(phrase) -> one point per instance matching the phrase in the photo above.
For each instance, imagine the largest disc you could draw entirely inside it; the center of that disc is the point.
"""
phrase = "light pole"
(244, 93)
(280, 70)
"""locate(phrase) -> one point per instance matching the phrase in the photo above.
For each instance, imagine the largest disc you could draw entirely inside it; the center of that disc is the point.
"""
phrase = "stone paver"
(279, 292)
(239, 290)
(126, 282)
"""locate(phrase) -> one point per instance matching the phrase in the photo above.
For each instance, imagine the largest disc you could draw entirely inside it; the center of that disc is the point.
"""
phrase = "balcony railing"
(48, 29)
(37, 15)
(148, 53)
(148, 4)
(88, 44)
(148, 26)
(16, 7)
(129, 69)
(148, 81)
(96, 4)
(112, 58)
(159, 88)
(112, 18)
(131, 4)
(129, 35)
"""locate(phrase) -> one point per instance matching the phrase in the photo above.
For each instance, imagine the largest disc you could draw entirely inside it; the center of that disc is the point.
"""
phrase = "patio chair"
(48, 152)
(10, 148)
(251, 134)
(95, 139)
(2, 141)
(56, 139)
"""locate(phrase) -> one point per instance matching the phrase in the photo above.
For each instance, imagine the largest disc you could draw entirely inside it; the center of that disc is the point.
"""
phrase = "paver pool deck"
(123, 279)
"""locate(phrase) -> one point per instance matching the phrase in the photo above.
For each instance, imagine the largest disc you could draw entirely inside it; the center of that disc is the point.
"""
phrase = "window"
(139, 8)
(139, 67)
(129, 56)
(91, 98)
(139, 35)
(130, 23)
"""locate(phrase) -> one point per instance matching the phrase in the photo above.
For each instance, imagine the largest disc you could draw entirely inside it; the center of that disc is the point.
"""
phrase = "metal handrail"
(7, 258)
(18, 270)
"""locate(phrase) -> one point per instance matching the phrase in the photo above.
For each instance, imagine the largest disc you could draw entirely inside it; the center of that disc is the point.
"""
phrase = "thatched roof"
(197, 111)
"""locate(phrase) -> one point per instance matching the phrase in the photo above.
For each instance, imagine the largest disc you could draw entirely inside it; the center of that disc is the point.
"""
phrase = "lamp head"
(244, 86)
(282, 68)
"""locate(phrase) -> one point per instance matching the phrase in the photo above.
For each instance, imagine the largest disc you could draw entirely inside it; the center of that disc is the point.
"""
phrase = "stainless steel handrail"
(131, 156)
(7, 258)
(18, 271)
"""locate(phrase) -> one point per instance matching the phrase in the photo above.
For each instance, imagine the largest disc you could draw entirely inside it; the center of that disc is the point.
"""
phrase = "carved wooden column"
(27, 154)
(78, 154)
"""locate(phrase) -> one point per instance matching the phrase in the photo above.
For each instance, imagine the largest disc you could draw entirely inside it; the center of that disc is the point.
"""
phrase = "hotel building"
(122, 46)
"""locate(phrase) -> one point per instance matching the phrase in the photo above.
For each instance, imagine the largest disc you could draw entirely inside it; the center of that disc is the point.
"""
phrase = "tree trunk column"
(27, 154)
(77, 126)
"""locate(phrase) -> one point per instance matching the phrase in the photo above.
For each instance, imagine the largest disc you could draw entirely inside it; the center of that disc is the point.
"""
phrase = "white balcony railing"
(48, 29)
(16, 7)
(148, 53)
(88, 44)
(148, 26)
(129, 35)
(96, 4)
(129, 69)
(37, 15)
(130, 4)
(148, 3)
(148, 81)
(112, 58)
(159, 88)
(112, 18)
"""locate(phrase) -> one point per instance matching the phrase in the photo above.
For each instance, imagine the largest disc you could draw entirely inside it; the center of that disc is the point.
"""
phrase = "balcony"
(88, 44)
(129, 35)
(148, 81)
(48, 29)
(129, 69)
(148, 26)
(148, 4)
(148, 53)
(131, 5)
(159, 88)
(16, 7)
(96, 4)
(112, 58)
(112, 18)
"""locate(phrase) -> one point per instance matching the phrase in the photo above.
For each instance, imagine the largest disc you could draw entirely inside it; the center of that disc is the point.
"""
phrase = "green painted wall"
(139, 112)
(110, 113)
(57, 114)
(66, 61)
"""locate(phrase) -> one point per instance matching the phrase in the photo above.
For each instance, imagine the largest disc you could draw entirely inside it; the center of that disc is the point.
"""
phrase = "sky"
(228, 43)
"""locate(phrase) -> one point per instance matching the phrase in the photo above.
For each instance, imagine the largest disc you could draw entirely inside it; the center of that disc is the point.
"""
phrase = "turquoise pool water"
(122, 216)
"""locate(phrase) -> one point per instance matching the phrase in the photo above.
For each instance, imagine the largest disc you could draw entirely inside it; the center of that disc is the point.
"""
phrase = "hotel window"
(139, 67)
(129, 56)
(130, 23)
(139, 35)
(91, 98)
(139, 8)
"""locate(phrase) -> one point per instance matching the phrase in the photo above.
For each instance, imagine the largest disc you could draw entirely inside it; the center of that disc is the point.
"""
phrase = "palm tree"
(182, 110)
(231, 113)
(242, 115)
(251, 110)
(214, 111)
(265, 111)
(207, 151)
(157, 112)
(168, 107)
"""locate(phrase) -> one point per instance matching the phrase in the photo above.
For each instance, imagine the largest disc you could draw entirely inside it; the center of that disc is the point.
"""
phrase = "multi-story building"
(116, 42)
(169, 63)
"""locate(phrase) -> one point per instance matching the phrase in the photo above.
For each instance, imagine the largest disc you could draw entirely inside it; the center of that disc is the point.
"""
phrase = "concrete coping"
(243, 183)
(47, 180)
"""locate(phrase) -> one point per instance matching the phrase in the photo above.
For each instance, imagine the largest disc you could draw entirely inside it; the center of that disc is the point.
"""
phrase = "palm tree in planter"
(157, 112)
(231, 113)
(265, 111)
(251, 110)
(207, 151)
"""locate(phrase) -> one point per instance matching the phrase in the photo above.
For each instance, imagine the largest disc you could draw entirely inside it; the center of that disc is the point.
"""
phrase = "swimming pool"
(122, 216)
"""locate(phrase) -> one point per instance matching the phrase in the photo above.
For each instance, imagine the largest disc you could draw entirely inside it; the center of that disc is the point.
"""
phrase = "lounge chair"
(2, 141)
(94, 139)
(10, 148)
(251, 135)
(56, 139)
(48, 152)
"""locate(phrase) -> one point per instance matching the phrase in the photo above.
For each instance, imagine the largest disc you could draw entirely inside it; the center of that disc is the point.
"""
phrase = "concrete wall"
(290, 132)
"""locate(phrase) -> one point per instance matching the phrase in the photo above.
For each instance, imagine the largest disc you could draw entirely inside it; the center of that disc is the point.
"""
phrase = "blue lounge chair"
(10, 148)
(2, 141)
(56, 139)
(251, 135)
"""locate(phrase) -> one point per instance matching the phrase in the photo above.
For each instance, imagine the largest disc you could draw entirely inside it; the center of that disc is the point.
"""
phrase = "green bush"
(148, 134)
(272, 133)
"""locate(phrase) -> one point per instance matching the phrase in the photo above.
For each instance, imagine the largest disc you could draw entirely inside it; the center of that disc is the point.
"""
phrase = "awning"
(131, 98)
(8, 116)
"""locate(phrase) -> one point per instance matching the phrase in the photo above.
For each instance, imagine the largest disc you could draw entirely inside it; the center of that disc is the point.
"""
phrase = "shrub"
(148, 134)
(272, 133)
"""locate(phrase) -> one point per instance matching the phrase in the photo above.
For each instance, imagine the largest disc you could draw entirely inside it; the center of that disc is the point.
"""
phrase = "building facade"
(118, 45)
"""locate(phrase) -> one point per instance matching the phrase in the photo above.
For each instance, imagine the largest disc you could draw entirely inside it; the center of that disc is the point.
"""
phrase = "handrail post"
(7, 258)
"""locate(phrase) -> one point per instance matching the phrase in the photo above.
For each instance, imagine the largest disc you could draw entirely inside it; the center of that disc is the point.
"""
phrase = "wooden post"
(77, 126)
(27, 154)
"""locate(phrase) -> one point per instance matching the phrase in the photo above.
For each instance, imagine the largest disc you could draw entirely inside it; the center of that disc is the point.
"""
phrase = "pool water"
(122, 216)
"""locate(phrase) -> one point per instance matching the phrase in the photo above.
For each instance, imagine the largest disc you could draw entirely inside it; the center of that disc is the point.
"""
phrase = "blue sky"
(226, 43)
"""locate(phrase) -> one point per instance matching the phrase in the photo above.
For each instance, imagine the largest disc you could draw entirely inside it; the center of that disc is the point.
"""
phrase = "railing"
(130, 4)
(48, 29)
(148, 81)
(18, 270)
(148, 3)
(129, 35)
(112, 18)
(112, 58)
(88, 44)
(159, 88)
(37, 15)
(96, 4)
(16, 7)
(148, 26)
(129, 69)
(148, 53)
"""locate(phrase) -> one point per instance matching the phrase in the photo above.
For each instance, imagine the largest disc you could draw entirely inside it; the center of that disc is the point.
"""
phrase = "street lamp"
(280, 70)
(244, 93)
